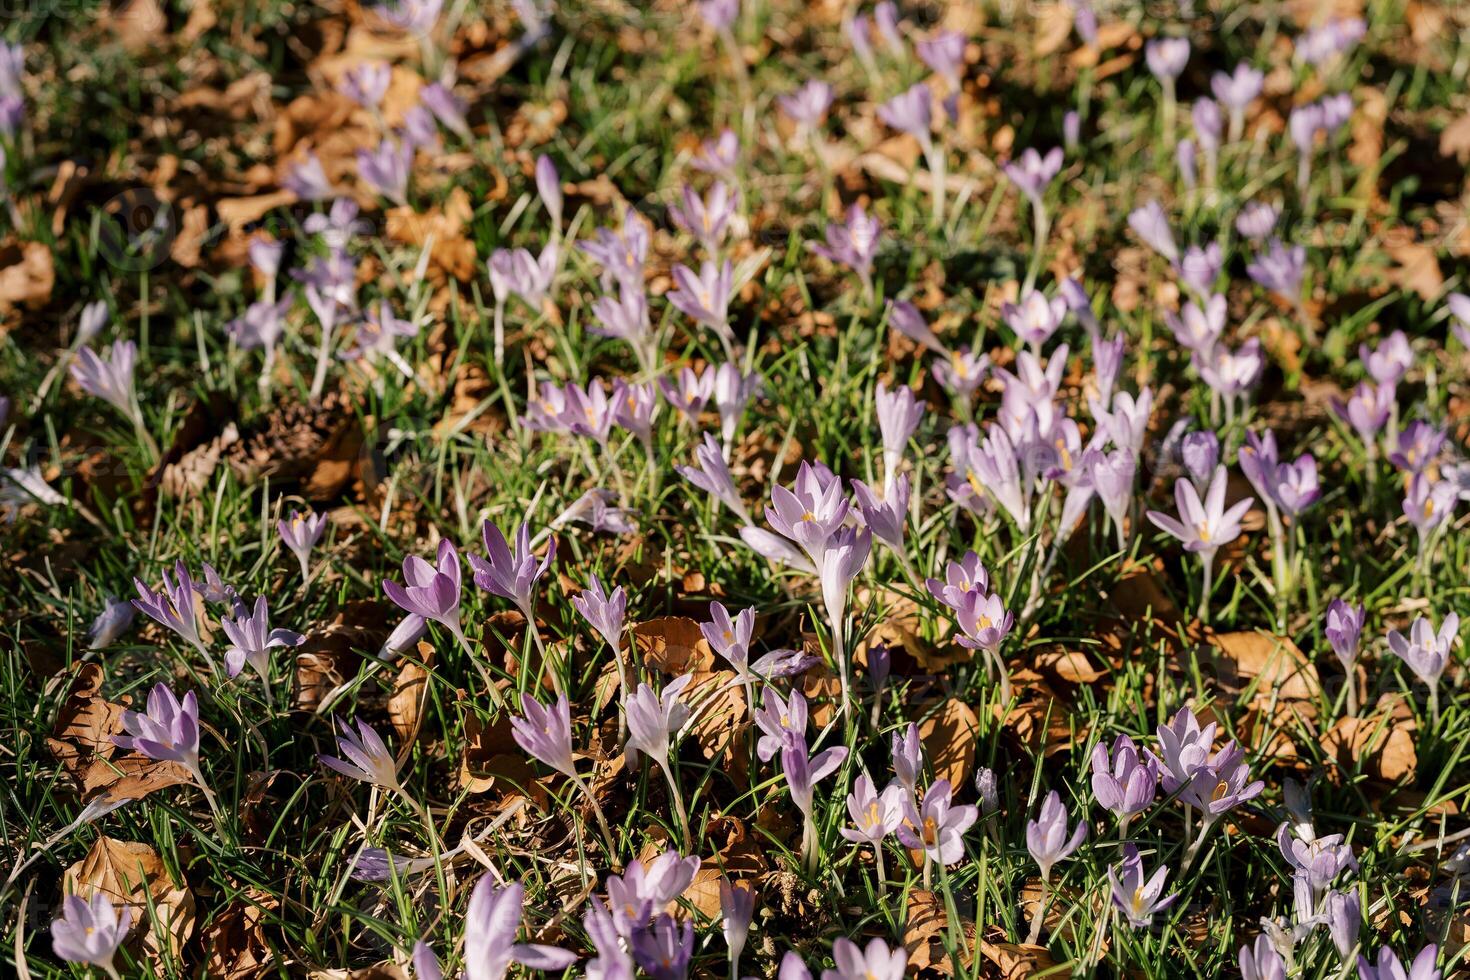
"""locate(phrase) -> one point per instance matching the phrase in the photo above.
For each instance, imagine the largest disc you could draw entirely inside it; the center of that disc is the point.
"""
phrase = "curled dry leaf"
(133, 874)
(949, 736)
(27, 276)
(718, 711)
(925, 931)
(81, 741)
(1381, 746)
(1273, 664)
(673, 645)
(405, 704)
(235, 945)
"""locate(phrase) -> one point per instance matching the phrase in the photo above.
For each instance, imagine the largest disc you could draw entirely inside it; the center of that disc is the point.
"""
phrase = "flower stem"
(1037, 917)
(678, 797)
(602, 824)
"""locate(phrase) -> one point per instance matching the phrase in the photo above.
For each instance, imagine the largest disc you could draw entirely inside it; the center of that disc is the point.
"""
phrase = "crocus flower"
(885, 516)
(1367, 410)
(172, 606)
(168, 731)
(511, 574)
(876, 962)
(1035, 318)
(544, 732)
(1203, 526)
(1047, 839)
(665, 948)
(1418, 445)
(937, 826)
(114, 620)
(718, 14)
(430, 591)
(491, 923)
(603, 611)
(1200, 453)
(1033, 172)
(729, 636)
(899, 413)
(386, 169)
(1295, 485)
(706, 218)
(1427, 652)
(367, 760)
(1428, 505)
(1459, 305)
(111, 379)
(1257, 220)
(853, 243)
(1389, 967)
(1122, 782)
(378, 335)
(1344, 916)
(1048, 843)
(89, 931)
(810, 512)
(688, 392)
(803, 772)
(620, 253)
(782, 722)
(1166, 57)
(1328, 40)
(1261, 961)
(874, 815)
(712, 475)
(961, 371)
(1220, 785)
(983, 620)
(1389, 361)
(909, 112)
(807, 105)
(307, 180)
(705, 298)
(733, 391)
(1137, 895)
(1236, 91)
(653, 719)
(907, 753)
(1199, 268)
(251, 640)
(843, 555)
(1151, 224)
(613, 961)
(1113, 477)
(905, 317)
(366, 83)
(300, 534)
(1318, 860)
(548, 188)
(633, 407)
(1280, 269)
(718, 156)
(737, 908)
(1344, 630)
(446, 107)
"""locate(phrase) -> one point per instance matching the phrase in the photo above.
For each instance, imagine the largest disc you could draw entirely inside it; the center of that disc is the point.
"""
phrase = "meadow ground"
(986, 478)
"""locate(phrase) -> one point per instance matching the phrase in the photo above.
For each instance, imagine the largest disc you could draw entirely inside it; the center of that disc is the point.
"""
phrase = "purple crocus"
(1236, 91)
(1261, 961)
(899, 413)
(1367, 410)
(807, 105)
(719, 156)
(1166, 58)
(1418, 445)
(110, 378)
(905, 317)
(89, 931)
(707, 218)
(737, 909)
(811, 511)
(1389, 967)
(1344, 631)
(853, 243)
(1317, 860)
(114, 620)
(544, 732)
(654, 718)
(1427, 652)
(874, 815)
(705, 298)
(1203, 526)
(168, 731)
(1151, 224)
(1035, 318)
(730, 636)
(1048, 843)
(491, 923)
(367, 758)
(299, 534)
(172, 606)
(603, 611)
(688, 392)
(1123, 782)
(252, 639)
(511, 574)
(1257, 220)
(733, 391)
(876, 962)
(1428, 504)
(909, 112)
(843, 555)
(1136, 894)
(936, 826)
(307, 179)
(907, 754)
(803, 771)
(431, 591)
(1032, 172)
(1280, 270)
(712, 475)
(1389, 361)
(386, 169)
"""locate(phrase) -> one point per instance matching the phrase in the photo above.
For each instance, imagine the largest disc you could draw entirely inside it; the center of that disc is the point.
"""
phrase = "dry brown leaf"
(405, 704)
(1381, 746)
(1273, 663)
(1053, 27)
(1454, 140)
(673, 645)
(925, 929)
(133, 874)
(949, 737)
(1416, 269)
(234, 941)
(27, 276)
(719, 716)
(1015, 960)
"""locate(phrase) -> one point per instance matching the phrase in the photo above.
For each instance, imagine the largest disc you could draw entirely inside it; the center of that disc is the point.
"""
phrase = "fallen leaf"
(926, 926)
(405, 704)
(1273, 663)
(1416, 269)
(235, 945)
(1381, 746)
(133, 874)
(949, 736)
(27, 276)
(673, 645)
